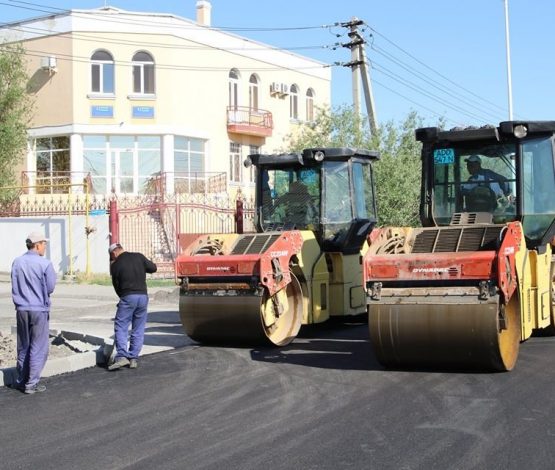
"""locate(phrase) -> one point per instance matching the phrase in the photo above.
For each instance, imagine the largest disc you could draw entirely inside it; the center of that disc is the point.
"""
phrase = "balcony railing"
(181, 182)
(52, 182)
(58, 182)
(249, 121)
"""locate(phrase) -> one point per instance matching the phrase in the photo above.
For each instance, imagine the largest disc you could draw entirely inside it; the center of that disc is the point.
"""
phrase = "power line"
(81, 59)
(460, 105)
(83, 36)
(473, 103)
(151, 22)
(481, 98)
(430, 81)
(433, 96)
(429, 95)
(440, 115)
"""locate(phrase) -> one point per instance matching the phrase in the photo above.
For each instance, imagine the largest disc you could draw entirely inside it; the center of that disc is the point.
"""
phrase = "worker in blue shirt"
(33, 280)
(485, 189)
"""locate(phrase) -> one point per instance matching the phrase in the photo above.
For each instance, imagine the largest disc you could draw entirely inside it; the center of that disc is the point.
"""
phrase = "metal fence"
(57, 211)
(53, 182)
(187, 183)
(180, 182)
(152, 226)
(149, 223)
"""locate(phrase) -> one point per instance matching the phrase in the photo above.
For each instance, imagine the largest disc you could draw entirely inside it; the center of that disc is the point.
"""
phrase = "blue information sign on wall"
(143, 112)
(102, 111)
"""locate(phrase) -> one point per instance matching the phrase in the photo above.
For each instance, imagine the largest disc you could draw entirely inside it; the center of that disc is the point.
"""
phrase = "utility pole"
(360, 69)
(355, 73)
(508, 51)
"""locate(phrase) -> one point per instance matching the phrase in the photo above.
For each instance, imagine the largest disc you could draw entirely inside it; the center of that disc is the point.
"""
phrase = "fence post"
(113, 222)
(239, 215)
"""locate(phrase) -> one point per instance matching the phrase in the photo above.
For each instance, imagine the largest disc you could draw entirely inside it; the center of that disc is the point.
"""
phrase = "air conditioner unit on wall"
(283, 89)
(275, 88)
(48, 63)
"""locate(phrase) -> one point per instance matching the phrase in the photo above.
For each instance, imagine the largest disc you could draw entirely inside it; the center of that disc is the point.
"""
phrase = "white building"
(137, 99)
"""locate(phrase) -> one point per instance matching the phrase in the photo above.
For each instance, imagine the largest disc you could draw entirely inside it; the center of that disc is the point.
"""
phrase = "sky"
(444, 59)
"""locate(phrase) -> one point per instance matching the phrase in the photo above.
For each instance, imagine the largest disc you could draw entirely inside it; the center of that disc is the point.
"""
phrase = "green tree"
(15, 105)
(397, 174)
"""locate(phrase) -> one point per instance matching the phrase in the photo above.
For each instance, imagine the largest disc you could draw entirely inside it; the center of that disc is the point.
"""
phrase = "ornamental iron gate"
(152, 226)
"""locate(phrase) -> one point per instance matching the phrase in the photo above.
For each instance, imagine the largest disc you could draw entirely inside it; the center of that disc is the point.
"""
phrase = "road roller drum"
(445, 329)
(239, 315)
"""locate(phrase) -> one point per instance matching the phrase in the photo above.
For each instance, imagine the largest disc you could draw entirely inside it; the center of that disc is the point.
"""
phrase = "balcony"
(249, 121)
(64, 182)
(180, 182)
(54, 182)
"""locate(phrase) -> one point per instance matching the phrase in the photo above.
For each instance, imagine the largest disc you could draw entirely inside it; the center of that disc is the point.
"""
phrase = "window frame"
(140, 69)
(253, 93)
(309, 105)
(235, 166)
(187, 178)
(253, 149)
(233, 88)
(50, 179)
(101, 65)
(294, 102)
(111, 149)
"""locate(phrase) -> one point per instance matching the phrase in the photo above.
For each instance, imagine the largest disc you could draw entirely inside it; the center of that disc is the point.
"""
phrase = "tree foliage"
(397, 174)
(15, 105)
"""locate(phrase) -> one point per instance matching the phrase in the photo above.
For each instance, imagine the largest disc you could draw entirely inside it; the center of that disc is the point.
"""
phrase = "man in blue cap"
(33, 280)
(493, 185)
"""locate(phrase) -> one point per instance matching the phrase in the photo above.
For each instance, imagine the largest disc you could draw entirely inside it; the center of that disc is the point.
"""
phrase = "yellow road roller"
(477, 279)
(314, 210)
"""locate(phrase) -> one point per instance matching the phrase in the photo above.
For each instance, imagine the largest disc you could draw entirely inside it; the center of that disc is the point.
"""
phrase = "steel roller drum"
(243, 317)
(433, 331)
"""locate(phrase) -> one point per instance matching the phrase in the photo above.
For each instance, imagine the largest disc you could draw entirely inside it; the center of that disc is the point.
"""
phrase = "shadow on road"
(164, 328)
(333, 345)
(336, 344)
(169, 316)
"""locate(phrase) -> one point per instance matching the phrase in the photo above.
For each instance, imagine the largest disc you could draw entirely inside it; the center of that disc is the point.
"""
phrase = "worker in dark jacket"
(128, 271)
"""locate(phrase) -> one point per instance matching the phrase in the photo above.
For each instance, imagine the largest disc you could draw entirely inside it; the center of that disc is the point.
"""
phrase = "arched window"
(310, 105)
(143, 73)
(102, 72)
(294, 102)
(234, 88)
(253, 92)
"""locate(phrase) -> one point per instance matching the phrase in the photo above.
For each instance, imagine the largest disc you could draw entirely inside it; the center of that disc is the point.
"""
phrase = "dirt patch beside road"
(8, 349)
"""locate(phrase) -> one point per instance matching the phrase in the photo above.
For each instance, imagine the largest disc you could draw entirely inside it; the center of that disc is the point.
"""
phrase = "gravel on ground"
(59, 347)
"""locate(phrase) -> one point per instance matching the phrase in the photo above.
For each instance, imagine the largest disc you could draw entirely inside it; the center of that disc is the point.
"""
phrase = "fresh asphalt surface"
(321, 403)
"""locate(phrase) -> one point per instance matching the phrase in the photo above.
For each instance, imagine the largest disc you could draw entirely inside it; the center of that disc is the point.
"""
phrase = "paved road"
(321, 403)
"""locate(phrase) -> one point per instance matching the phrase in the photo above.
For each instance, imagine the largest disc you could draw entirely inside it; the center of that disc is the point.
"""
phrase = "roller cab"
(476, 279)
(314, 211)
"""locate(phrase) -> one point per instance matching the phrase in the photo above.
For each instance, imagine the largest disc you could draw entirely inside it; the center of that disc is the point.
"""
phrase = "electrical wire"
(190, 68)
(431, 95)
(83, 36)
(420, 105)
(406, 82)
(150, 22)
(471, 102)
(466, 90)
